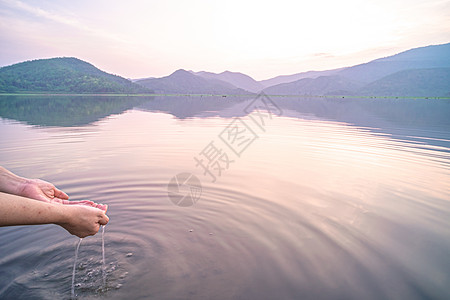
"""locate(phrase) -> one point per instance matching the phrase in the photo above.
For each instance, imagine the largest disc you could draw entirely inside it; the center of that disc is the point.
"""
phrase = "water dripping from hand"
(74, 267)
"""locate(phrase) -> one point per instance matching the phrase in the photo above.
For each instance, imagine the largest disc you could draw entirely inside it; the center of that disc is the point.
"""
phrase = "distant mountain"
(414, 73)
(323, 85)
(239, 80)
(63, 75)
(184, 82)
(420, 72)
(435, 56)
(294, 77)
(411, 83)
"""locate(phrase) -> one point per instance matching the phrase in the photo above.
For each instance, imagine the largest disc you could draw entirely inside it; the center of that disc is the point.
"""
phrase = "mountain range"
(418, 72)
(184, 82)
(414, 73)
(294, 77)
(239, 80)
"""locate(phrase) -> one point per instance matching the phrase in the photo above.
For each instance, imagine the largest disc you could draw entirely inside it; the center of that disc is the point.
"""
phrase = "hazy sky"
(260, 38)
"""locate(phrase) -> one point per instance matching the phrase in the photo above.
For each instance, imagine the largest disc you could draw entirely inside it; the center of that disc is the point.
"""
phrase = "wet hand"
(82, 221)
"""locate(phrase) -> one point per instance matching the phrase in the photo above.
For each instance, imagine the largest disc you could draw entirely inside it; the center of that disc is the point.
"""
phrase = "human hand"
(45, 191)
(82, 221)
(42, 190)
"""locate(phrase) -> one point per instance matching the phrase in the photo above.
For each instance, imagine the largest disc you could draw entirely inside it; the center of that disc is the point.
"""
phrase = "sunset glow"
(260, 38)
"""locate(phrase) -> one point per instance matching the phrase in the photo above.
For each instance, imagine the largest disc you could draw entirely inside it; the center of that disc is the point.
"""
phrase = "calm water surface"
(332, 199)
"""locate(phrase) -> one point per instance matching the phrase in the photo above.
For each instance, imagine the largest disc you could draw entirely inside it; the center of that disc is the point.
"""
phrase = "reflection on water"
(64, 111)
(337, 199)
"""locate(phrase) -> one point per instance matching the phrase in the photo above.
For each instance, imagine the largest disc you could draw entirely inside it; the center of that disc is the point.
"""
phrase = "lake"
(234, 198)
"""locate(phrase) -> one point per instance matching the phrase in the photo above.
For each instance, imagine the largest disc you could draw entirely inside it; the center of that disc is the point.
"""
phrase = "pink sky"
(263, 39)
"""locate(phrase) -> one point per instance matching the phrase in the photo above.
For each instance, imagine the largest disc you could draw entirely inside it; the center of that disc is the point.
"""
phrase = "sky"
(261, 38)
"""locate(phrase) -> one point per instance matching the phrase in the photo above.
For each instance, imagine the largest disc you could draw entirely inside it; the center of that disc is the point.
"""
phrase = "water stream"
(103, 258)
(74, 267)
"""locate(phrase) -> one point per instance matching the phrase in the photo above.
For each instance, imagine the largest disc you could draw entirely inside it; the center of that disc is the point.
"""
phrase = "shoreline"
(218, 95)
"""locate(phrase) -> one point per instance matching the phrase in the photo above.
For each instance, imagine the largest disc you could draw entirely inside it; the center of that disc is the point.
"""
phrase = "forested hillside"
(63, 75)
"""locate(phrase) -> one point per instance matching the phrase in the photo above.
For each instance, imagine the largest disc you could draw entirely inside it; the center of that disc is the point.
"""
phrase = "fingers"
(81, 202)
(60, 194)
(101, 206)
(84, 220)
(103, 219)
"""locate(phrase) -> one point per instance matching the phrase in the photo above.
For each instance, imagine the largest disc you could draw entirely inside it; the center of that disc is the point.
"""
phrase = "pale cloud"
(63, 20)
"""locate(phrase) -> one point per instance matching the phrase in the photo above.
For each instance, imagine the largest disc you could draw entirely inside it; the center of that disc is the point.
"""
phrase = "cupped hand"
(45, 191)
(83, 220)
